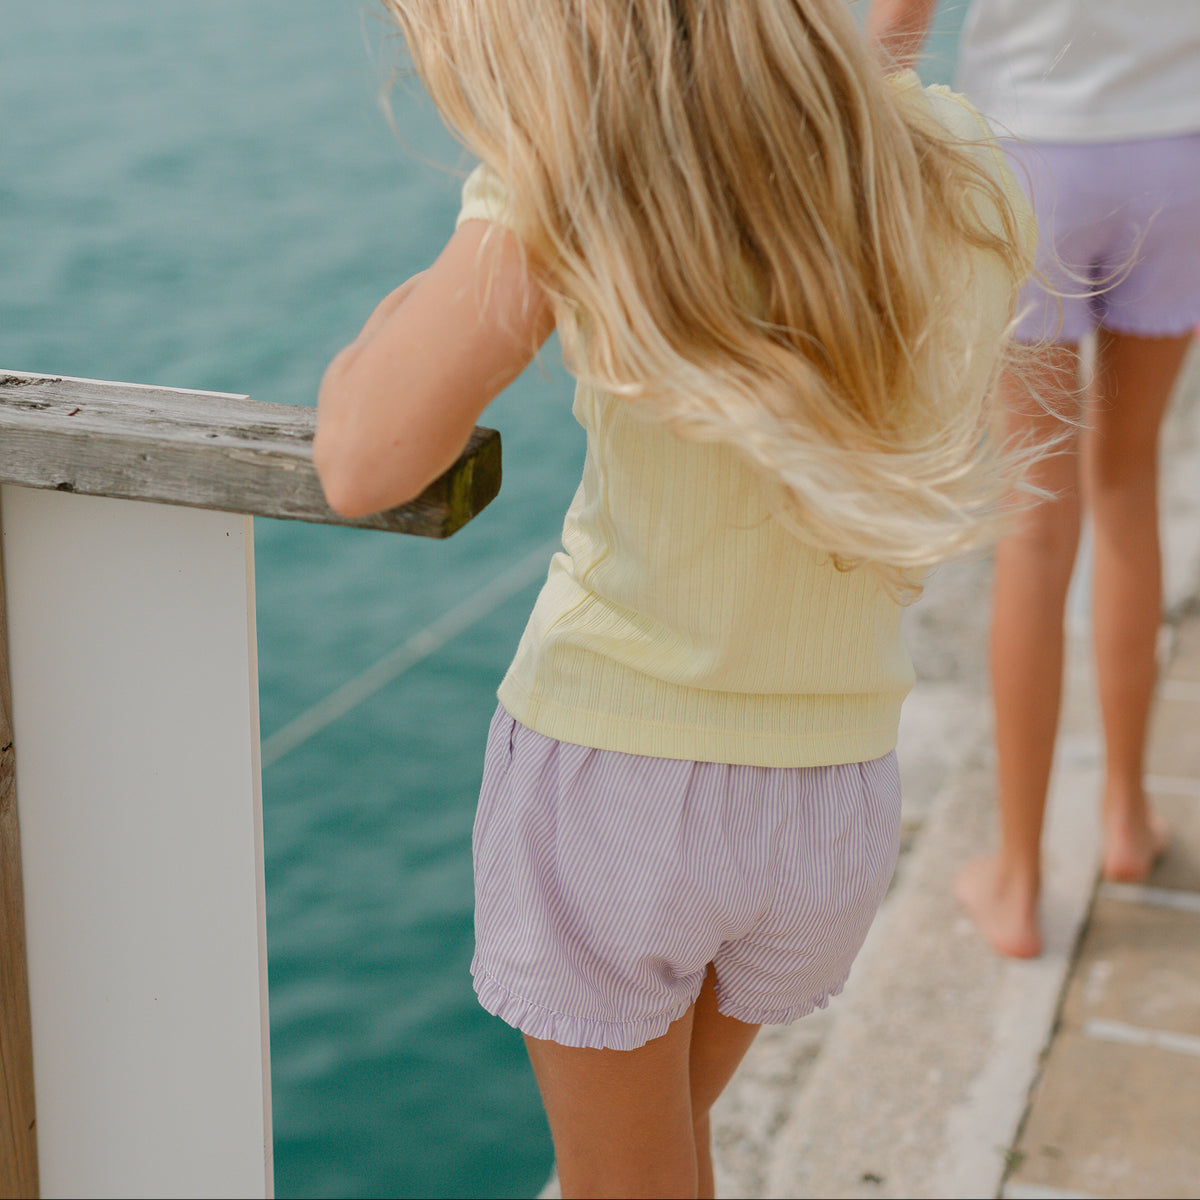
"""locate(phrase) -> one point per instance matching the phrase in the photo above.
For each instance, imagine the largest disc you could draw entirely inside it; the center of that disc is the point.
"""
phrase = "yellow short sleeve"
(484, 198)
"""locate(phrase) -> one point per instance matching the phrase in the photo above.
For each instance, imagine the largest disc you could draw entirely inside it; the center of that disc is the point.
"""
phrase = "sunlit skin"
(397, 405)
(653, 1102)
(1112, 470)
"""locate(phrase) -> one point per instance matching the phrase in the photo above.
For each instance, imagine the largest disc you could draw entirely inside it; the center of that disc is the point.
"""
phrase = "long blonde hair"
(746, 229)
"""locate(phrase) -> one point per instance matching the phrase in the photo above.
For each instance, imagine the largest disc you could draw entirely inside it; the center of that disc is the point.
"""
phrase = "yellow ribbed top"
(682, 620)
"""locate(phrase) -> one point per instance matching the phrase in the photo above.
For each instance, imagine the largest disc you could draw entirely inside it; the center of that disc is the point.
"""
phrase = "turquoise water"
(207, 195)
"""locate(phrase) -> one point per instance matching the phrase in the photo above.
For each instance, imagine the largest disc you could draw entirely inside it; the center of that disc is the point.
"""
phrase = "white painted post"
(135, 710)
(135, 734)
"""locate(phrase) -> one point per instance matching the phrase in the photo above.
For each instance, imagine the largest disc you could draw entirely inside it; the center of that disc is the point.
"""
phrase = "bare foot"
(1132, 849)
(1006, 914)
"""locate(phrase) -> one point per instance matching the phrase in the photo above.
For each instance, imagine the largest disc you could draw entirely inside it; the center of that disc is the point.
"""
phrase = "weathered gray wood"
(18, 1138)
(206, 450)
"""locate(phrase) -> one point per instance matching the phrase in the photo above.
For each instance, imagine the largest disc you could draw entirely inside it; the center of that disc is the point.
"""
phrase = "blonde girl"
(783, 284)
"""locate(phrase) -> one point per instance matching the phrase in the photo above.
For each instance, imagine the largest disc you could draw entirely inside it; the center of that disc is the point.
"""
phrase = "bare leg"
(1135, 378)
(718, 1045)
(1033, 565)
(634, 1123)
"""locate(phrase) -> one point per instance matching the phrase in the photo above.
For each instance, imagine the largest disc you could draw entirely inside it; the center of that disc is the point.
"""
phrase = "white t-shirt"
(1083, 70)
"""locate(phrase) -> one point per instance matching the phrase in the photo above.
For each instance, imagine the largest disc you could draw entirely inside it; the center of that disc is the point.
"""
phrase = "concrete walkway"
(1115, 1110)
(947, 1071)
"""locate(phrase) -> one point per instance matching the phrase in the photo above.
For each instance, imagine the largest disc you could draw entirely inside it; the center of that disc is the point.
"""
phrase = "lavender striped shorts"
(605, 884)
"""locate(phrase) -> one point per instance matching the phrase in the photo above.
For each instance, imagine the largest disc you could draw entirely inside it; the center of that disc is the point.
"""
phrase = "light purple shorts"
(1126, 217)
(605, 884)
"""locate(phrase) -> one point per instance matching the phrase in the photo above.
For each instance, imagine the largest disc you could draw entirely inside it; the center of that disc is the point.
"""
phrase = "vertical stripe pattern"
(607, 882)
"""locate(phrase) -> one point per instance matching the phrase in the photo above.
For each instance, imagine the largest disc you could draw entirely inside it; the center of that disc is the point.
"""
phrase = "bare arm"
(897, 29)
(397, 405)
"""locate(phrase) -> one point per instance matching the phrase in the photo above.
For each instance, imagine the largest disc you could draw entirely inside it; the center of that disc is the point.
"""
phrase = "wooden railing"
(174, 447)
(205, 450)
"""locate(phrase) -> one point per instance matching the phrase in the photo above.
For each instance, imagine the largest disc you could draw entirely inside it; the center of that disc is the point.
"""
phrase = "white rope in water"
(447, 627)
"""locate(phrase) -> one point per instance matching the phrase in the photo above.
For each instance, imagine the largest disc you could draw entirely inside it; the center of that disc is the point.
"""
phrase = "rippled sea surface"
(208, 195)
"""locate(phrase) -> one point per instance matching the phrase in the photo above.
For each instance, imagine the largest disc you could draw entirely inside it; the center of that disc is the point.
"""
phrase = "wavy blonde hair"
(746, 229)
